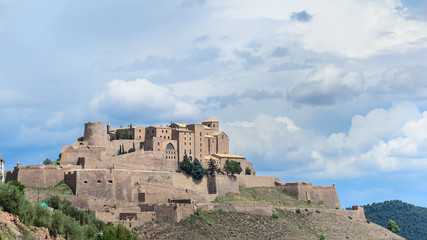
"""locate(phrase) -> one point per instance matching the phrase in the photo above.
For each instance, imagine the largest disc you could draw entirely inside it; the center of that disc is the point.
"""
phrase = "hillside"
(296, 220)
(412, 220)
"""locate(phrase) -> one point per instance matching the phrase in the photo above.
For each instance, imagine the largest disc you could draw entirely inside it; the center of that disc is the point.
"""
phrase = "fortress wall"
(71, 154)
(39, 176)
(257, 181)
(258, 209)
(328, 195)
(357, 214)
(306, 191)
(225, 184)
(95, 134)
(186, 182)
(174, 212)
(112, 147)
(103, 183)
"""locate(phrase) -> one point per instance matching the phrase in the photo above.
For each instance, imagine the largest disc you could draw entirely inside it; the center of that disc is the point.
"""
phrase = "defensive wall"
(307, 192)
(39, 175)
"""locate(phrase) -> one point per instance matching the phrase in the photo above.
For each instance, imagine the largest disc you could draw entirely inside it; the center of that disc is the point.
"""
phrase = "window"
(185, 143)
(200, 144)
(200, 135)
(158, 144)
(189, 138)
(85, 181)
(99, 181)
(164, 137)
(110, 181)
(200, 139)
(139, 137)
(200, 155)
(200, 150)
(185, 151)
(162, 131)
(166, 131)
(190, 151)
(152, 131)
(189, 143)
(185, 138)
(168, 137)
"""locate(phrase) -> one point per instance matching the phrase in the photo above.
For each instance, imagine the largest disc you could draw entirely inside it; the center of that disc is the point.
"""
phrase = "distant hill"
(412, 220)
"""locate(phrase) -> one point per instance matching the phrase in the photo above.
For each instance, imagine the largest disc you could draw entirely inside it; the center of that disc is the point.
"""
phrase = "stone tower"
(95, 134)
(212, 123)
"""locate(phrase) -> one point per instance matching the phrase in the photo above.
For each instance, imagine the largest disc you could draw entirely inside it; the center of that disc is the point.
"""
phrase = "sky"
(322, 91)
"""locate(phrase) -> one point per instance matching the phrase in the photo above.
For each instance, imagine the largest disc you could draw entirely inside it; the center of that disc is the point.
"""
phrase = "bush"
(232, 167)
(392, 226)
(212, 167)
(21, 187)
(275, 216)
(198, 170)
(118, 231)
(12, 199)
(44, 217)
(322, 237)
(47, 161)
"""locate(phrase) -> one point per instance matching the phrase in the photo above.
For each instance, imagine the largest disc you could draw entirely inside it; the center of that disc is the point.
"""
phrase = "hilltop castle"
(131, 173)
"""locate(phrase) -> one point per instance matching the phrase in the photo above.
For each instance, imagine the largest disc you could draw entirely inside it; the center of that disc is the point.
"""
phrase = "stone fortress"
(144, 183)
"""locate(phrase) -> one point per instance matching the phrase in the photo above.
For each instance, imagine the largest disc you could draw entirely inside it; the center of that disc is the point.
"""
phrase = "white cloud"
(143, 98)
(326, 86)
(383, 140)
(353, 29)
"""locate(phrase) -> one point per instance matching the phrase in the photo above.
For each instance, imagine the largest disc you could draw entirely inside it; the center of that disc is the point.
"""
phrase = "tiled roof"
(227, 155)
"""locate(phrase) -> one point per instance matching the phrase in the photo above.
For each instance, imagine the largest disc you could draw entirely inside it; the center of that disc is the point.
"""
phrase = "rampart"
(257, 181)
(39, 176)
(307, 192)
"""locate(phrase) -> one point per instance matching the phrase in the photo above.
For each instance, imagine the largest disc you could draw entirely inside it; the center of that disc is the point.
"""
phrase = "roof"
(206, 127)
(210, 157)
(159, 127)
(0, 156)
(227, 155)
(210, 120)
(217, 133)
(181, 125)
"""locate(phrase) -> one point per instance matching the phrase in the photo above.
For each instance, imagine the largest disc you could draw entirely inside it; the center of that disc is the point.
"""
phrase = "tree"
(212, 167)
(21, 187)
(118, 231)
(186, 165)
(248, 171)
(198, 170)
(47, 161)
(392, 226)
(232, 167)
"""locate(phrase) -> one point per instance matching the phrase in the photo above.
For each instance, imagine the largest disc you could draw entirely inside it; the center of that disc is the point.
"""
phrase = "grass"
(35, 195)
(265, 195)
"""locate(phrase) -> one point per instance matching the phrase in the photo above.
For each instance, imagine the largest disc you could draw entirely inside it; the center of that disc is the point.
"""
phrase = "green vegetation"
(198, 170)
(118, 231)
(412, 220)
(125, 133)
(248, 171)
(265, 195)
(212, 167)
(65, 220)
(47, 161)
(133, 149)
(392, 226)
(186, 165)
(232, 167)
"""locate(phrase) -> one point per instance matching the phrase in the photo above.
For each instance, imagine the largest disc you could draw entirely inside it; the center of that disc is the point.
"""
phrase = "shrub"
(298, 211)
(275, 216)
(47, 161)
(21, 187)
(44, 217)
(118, 231)
(368, 220)
(392, 226)
(322, 237)
(349, 217)
(232, 167)
(317, 211)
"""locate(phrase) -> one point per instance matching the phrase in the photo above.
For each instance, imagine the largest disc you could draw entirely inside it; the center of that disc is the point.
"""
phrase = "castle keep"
(130, 173)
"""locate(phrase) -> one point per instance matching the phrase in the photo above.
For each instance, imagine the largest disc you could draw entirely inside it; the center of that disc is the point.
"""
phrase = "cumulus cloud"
(302, 16)
(408, 82)
(326, 86)
(143, 99)
(383, 140)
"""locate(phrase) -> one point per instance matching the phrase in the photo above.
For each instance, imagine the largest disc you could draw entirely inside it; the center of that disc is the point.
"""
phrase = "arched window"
(170, 147)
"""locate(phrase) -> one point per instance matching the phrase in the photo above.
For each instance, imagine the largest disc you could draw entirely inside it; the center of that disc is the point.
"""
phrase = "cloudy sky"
(324, 91)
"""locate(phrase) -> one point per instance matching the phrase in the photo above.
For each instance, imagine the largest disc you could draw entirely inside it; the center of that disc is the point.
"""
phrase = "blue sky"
(320, 91)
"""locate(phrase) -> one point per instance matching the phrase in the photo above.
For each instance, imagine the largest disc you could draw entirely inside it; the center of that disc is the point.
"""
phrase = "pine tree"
(186, 165)
(198, 170)
(212, 167)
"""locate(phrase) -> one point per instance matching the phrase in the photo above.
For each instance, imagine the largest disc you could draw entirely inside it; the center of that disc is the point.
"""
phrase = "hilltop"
(291, 219)
(411, 219)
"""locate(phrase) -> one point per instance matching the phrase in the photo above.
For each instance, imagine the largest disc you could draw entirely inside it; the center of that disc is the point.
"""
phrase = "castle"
(131, 174)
